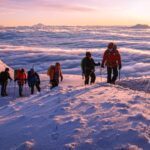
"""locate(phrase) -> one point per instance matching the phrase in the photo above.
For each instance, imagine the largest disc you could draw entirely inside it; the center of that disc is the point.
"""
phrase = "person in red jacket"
(112, 60)
(21, 77)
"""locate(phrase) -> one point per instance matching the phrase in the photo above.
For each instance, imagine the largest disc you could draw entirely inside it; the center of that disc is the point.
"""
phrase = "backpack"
(16, 72)
(51, 72)
(0, 77)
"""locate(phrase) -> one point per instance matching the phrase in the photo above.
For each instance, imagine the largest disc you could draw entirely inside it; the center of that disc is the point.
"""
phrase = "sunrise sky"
(74, 12)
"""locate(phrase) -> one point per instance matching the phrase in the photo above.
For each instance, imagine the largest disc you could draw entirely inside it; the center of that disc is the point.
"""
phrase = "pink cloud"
(59, 5)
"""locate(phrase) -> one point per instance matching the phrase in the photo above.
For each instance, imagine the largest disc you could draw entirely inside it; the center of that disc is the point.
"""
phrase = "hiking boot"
(112, 82)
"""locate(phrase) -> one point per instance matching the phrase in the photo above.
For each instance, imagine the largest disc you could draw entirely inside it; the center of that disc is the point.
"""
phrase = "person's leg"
(20, 89)
(2, 89)
(5, 88)
(56, 82)
(38, 87)
(109, 72)
(53, 84)
(93, 77)
(87, 76)
(32, 88)
(115, 75)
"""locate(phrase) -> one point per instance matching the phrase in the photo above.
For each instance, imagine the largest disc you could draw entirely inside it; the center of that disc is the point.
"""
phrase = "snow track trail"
(75, 117)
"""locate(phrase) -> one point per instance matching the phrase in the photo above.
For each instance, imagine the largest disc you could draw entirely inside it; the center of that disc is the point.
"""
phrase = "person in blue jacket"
(33, 80)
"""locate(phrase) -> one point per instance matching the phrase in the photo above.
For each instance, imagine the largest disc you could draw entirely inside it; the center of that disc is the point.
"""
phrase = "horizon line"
(74, 25)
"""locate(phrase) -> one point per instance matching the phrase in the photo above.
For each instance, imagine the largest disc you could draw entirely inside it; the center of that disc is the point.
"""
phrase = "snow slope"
(75, 117)
(3, 66)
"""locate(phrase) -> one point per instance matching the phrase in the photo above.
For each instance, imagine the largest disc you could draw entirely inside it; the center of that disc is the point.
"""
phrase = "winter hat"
(110, 45)
(7, 69)
(88, 54)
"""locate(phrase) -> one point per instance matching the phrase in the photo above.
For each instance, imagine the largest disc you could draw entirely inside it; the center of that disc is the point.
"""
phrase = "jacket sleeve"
(9, 76)
(95, 64)
(38, 77)
(49, 71)
(61, 75)
(83, 65)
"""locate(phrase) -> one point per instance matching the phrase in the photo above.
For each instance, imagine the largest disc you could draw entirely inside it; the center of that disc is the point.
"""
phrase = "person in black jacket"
(4, 76)
(33, 80)
(88, 68)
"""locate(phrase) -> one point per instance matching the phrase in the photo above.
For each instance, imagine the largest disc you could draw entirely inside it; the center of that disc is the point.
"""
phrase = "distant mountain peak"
(141, 26)
(39, 25)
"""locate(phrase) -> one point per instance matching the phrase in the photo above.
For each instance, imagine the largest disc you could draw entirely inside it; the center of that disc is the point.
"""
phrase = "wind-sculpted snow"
(72, 116)
(3, 66)
(40, 46)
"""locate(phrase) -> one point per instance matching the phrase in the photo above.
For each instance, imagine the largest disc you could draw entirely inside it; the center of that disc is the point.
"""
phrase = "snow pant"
(54, 83)
(112, 74)
(37, 87)
(88, 75)
(3, 88)
(20, 88)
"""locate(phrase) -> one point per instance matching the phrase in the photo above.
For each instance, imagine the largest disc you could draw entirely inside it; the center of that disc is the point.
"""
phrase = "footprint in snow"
(90, 110)
(122, 105)
(55, 136)
(123, 111)
(107, 105)
(91, 97)
(139, 117)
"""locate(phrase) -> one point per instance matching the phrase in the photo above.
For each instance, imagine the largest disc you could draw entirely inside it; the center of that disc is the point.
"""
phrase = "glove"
(99, 64)
(102, 65)
(120, 66)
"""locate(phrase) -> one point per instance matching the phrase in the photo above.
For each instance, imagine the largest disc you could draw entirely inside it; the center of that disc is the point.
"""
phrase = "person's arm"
(48, 71)
(38, 77)
(9, 77)
(83, 66)
(61, 74)
(96, 64)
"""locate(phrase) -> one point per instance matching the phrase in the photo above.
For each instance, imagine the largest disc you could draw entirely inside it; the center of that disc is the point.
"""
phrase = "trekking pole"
(119, 75)
(26, 89)
(14, 90)
(101, 73)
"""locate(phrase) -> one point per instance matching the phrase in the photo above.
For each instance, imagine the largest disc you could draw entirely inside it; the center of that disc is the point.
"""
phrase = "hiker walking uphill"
(55, 74)
(4, 76)
(21, 77)
(33, 80)
(88, 68)
(112, 60)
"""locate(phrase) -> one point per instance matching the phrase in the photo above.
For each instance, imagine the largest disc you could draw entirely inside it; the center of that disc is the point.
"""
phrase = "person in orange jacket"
(21, 77)
(112, 60)
(55, 72)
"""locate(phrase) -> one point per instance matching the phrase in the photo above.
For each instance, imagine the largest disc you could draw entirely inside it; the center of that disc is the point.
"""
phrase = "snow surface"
(73, 116)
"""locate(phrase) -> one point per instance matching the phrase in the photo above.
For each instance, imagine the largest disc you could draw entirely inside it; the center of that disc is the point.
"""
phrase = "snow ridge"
(73, 116)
